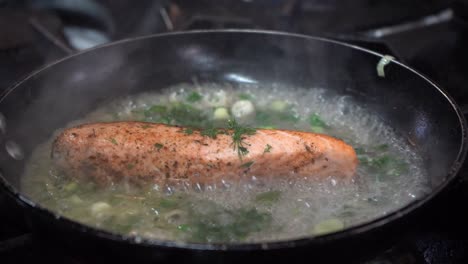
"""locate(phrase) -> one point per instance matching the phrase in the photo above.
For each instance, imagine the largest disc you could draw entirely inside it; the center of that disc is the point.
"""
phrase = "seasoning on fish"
(146, 152)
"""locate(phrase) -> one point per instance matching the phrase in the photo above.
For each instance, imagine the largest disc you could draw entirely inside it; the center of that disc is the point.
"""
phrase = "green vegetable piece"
(269, 118)
(267, 149)
(130, 166)
(175, 216)
(267, 127)
(384, 165)
(359, 151)
(247, 164)
(316, 121)
(183, 227)
(193, 97)
(158, 146)
(213, 227)
(317, 129)
(188, 131)
(115, 116)
(328, 226)
(288, 116)
(167, 203)
(398, 168)
(278, 106)
(238, 135)
(245, 96)
(113, 141)
(155, 109)
(134, 111)
(263, 118)
(221, 113)
(122, 223)
(100, 209)
(186, 115)
(386, 59)
(381, 162)
(210, 132)
(70, 187)
(268, 197)
(382, 147)
(75, 199)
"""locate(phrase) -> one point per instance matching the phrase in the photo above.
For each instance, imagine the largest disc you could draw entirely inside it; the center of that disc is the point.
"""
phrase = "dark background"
(429, 35)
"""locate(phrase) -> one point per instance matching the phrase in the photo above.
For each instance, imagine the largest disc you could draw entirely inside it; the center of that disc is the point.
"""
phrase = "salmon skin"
(142, 153)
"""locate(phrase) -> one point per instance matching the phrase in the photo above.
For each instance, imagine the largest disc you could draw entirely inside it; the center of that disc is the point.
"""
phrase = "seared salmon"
(143, 153)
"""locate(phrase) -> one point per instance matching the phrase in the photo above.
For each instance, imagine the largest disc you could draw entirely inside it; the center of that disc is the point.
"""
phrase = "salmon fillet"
(143, 152)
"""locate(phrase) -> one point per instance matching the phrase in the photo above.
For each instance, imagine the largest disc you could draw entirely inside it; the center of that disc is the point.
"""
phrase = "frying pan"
(65, 90)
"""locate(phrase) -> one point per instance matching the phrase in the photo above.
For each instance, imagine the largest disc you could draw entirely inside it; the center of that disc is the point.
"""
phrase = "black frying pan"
(65, 90)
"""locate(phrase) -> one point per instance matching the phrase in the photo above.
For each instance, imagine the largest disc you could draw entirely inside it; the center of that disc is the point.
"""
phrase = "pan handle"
(95, 17)
(57, 41)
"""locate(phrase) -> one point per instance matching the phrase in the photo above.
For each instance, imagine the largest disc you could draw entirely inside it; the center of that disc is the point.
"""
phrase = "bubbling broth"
(389, 175)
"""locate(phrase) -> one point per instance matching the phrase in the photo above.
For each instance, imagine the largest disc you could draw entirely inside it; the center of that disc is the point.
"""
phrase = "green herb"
(316, 121)
(317, 125)
(264, 118)
(188, 131)
(158, 146)
(382, 147)
(155, 109)
(135, 111)
(167, 203)
(70, 187)
(238, 136)
(267, 127)
(145, 126)
(268, 197)
(183, 227)
(268, 119)
(130, 166)
(267, 148)
(171, 202)
(359, 151)
(316, 129)
(279, 106)
(122, 224)
(177, 114)
(154, 113)
(247, 164)
(288, 116)
(328, 226)
(210, 132)
(186, 115)
(245, 96)
(242, 151)
(115, 116)
(381, 162)
(193, 97)
(213, 227)
(113, 141)
(347, 211)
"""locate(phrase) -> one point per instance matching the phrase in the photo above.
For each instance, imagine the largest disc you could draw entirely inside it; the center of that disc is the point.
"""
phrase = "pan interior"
(258, 208)
(405, 111)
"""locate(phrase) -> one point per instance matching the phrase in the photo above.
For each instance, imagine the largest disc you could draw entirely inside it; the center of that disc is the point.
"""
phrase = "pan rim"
(267, 245)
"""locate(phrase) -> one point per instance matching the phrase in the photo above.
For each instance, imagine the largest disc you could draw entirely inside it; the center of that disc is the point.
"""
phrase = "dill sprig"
(210, 132)
(238, 135)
